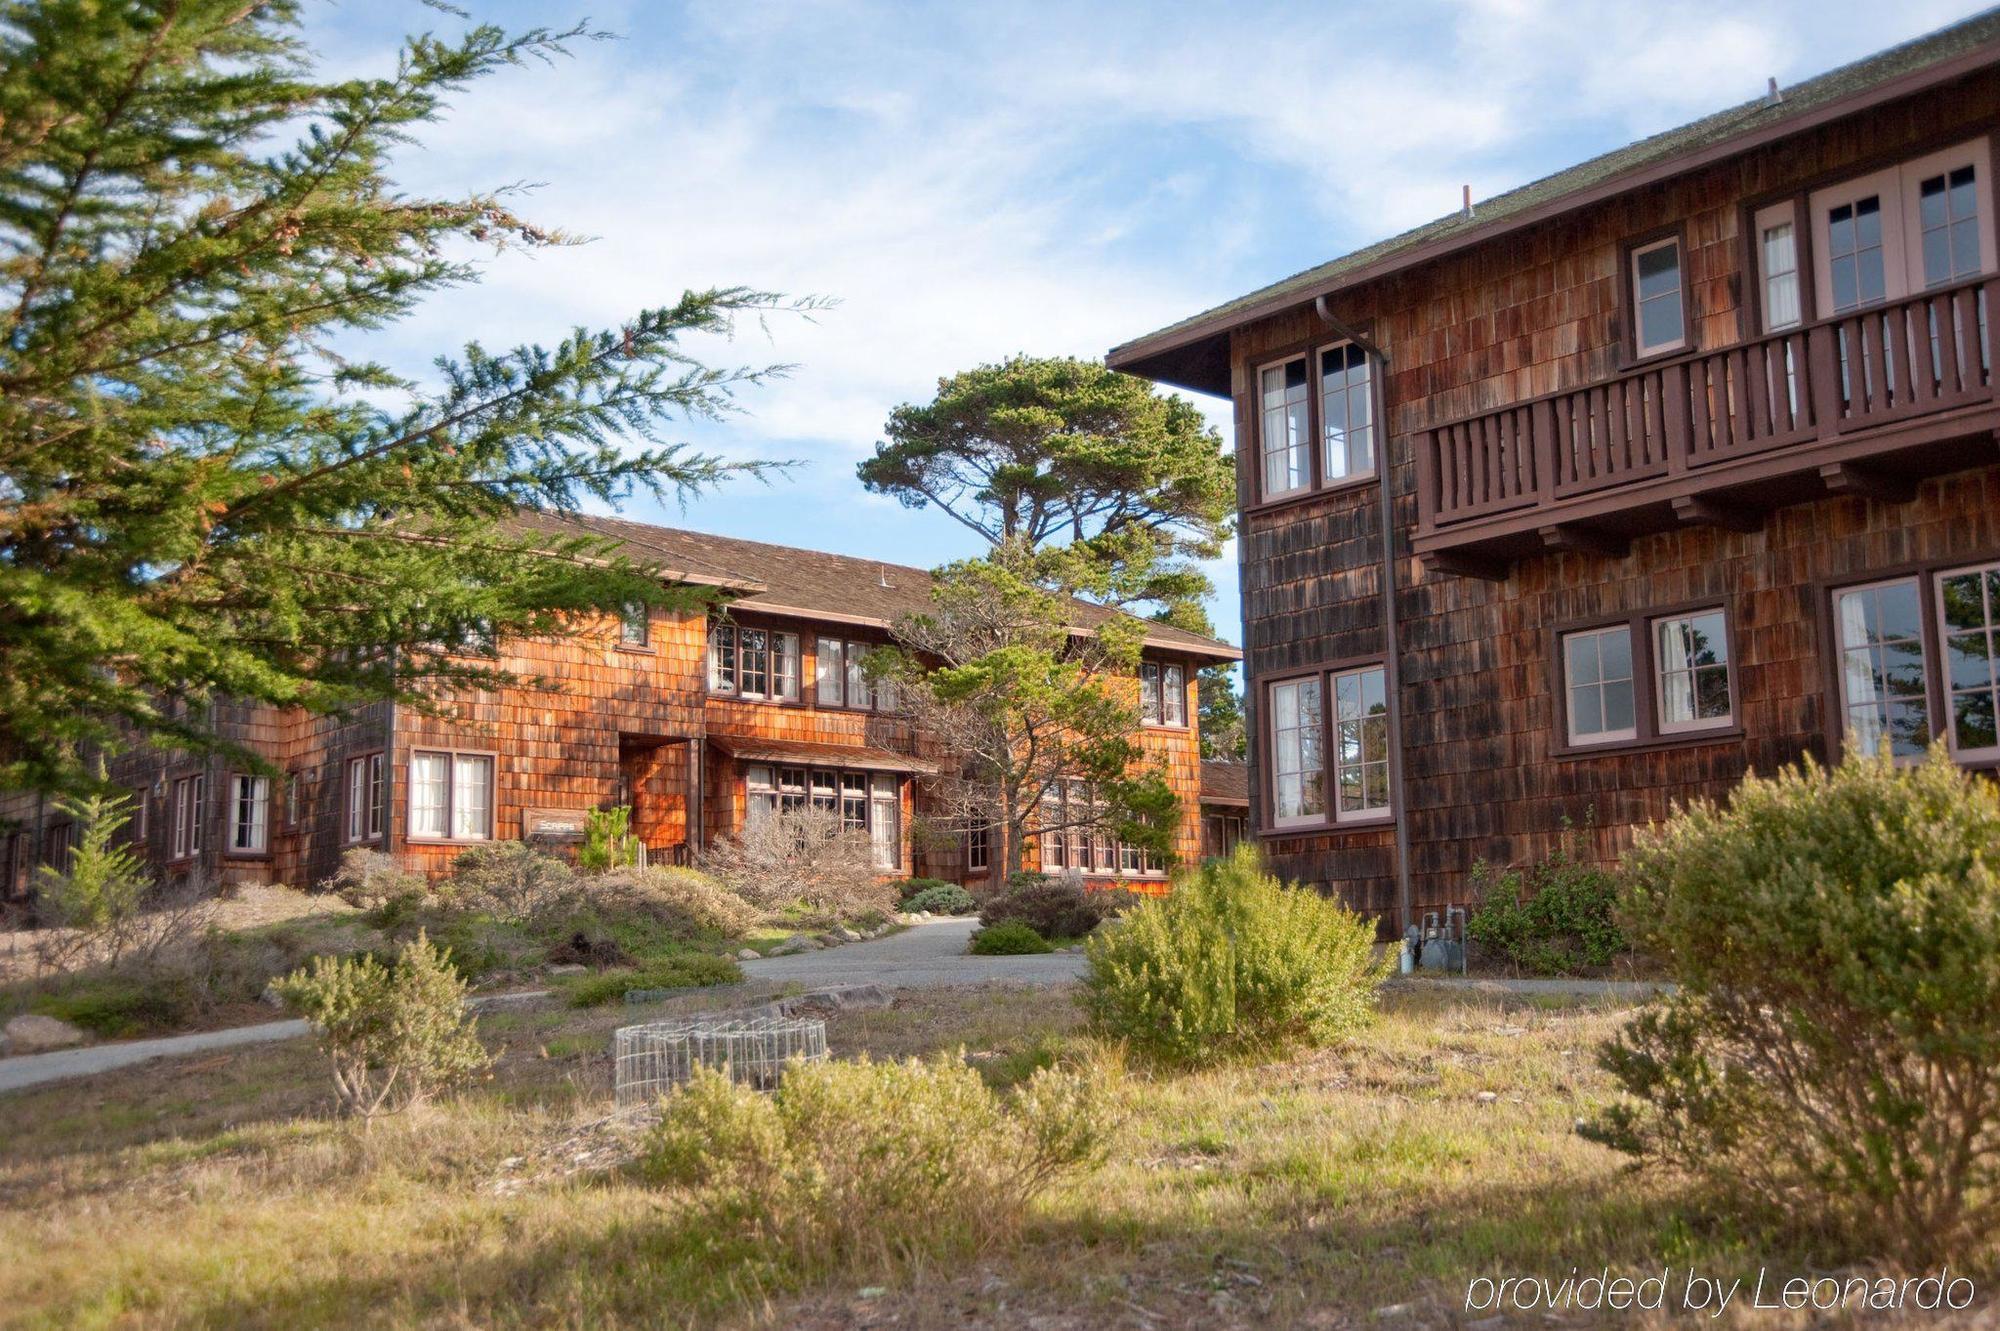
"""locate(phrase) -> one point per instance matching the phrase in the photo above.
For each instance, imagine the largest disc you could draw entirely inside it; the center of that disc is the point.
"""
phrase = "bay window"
(451, 796)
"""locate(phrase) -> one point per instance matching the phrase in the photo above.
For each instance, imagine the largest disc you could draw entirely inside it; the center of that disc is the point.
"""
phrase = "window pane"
(1659, 271)
(471, 796)
(721, 658)
(1149, 693)
(857, 677)
(753, 666)
(1882, 667)
(1970, 611)
(785, 665)
(1618, 705)
(1173, 696)
(427, 785)
(829, 672)
(1295, 744)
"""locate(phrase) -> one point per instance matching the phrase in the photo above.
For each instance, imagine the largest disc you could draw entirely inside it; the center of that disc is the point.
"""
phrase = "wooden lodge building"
(1676, 465)
(695, 720)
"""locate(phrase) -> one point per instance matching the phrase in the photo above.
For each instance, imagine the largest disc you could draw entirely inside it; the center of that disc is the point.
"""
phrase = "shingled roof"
(1194, 354)
(812, 584)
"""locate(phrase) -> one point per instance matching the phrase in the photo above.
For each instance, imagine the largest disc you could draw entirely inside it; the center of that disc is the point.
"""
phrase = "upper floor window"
(1162, 694)
(1346, 413)
(1343, 409)
(1778, 257)
(249, 814)
(1659, 310)
(451, 796)
(753, 662)
(635, 626)
(840, 678)
(1287, 449)
(1899, 230)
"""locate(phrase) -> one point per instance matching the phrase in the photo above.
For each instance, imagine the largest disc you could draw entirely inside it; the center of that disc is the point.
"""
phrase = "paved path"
(34, 1069)
(927, 955)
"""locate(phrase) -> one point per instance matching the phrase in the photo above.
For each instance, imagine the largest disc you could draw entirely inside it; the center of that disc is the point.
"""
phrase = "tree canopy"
(1059, 450)
(207, 491)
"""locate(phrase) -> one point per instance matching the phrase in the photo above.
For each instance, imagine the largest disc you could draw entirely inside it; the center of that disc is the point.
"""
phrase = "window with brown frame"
(189, 798)
(635, 625)
(840, 677)
(1650, 677)
(1331, 389)
(868, 802)
(1069, 841)
(361, 814)
(1659, 298)
(745, 661)
(451, 796)
(249, 814)
(1162, 694)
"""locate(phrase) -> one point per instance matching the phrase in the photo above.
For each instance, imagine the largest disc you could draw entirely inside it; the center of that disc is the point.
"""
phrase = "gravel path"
(923, 956)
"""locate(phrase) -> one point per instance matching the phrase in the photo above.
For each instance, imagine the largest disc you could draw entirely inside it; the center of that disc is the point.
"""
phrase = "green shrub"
(1553, 918)
(1052, 907)
(1009, 939)
(510, 880)
(393, 1035)
(105, 878)
(910, 887)
(115, 1006)
(942, 899)
(1232, 962)
(862, 1163)
(689, 970)
(1832, 1043)
(608, 842)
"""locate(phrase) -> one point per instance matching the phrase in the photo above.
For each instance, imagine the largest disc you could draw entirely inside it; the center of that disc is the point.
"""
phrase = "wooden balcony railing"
(1703, 423)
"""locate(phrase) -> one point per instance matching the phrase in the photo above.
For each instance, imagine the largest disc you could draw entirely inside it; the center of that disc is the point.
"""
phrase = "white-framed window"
(1361, 743)
(1776, 230)
(1883, 673)
(978, 848)
(840, 678)
(295, 799)
(1598, 685)
(635, 625)
(1346, 414)
(1286, 441)
(1072, 836)
(1903, 229)
(249, 814)
(748, 662)
(1298, 768)
(1162, 694)
(190, 794)
(361, 815)
(1968, 612)
(451, 796)
(1691, 680)
(1659, 310)
(885, 820)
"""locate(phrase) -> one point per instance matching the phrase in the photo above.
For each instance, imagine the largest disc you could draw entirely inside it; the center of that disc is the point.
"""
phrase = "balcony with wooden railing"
(1868, 402)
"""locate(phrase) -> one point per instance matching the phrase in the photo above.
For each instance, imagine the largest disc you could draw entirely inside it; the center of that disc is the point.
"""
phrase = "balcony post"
(1543, 449)
(1822, 371)
(1423, 446)
(1674, 417)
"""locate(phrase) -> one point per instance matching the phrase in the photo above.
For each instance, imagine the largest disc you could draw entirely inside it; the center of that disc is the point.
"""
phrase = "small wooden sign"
(552, 824)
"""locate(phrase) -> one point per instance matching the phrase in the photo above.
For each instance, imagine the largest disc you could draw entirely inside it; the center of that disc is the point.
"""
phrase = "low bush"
(367, 879)
(1553, 918)
(689, 903)
(1010, 938)
(1830, 1047)
(910, 887)
(942, 899)
(1232, 962)
(802, 857)
(865, 1164)
(689, 970)
(510, 881)
(1052, 907)
(126, 1004)
(393, 1035)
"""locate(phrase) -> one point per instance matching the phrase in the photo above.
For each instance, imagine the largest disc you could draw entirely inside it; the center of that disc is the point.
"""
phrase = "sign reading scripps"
(1691, 1290)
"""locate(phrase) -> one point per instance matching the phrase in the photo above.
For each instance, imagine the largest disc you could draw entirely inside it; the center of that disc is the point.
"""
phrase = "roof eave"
(1157, 355)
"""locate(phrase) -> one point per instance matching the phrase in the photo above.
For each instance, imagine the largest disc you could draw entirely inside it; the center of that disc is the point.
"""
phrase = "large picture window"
(869, 802)
(451, 796)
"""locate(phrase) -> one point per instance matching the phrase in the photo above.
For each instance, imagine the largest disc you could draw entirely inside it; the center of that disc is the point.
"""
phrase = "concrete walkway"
(924, 956)
(19, 1073)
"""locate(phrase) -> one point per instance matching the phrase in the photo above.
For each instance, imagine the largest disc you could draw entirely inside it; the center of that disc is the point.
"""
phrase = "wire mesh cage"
(653, 1058)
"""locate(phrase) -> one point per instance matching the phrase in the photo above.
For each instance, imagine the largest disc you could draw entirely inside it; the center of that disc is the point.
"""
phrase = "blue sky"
(973, 180)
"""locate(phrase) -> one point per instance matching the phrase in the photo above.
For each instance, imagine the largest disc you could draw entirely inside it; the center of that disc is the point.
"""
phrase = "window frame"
(635, 616)
(1265, 822)
(1758, 220)
(451, 833)
(733, 631)
(1976, 153)
(1657, 670)
(1312, 354)
(1088, 851)
(1331, 772)
(769, 789)
(374, 767)
(1640, 666)
(189, 799)
(261, 825)
(884, 698)
(1269, 737)
(1940, 678)
(1154, 690)
(1637, 350)
(1645, 682)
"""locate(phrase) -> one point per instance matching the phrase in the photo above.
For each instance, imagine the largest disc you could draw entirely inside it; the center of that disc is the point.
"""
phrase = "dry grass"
(1308, 1193)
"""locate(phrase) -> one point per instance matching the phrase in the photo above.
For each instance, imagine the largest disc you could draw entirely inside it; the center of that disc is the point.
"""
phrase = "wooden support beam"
(1464, 566)
(1587, 540)
(1846, 478)
(1695, 511)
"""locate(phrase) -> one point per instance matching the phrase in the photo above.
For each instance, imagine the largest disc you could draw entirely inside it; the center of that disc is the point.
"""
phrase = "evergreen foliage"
(208, 491)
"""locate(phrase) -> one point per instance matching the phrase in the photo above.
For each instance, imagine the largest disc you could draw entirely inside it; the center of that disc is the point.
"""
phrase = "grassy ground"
(1310, 1193)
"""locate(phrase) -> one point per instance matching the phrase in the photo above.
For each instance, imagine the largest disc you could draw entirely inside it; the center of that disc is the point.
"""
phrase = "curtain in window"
(472, 797)
(427, 795)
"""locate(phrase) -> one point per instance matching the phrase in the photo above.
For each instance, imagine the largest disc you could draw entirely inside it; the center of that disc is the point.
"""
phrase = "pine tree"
(200, 497)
